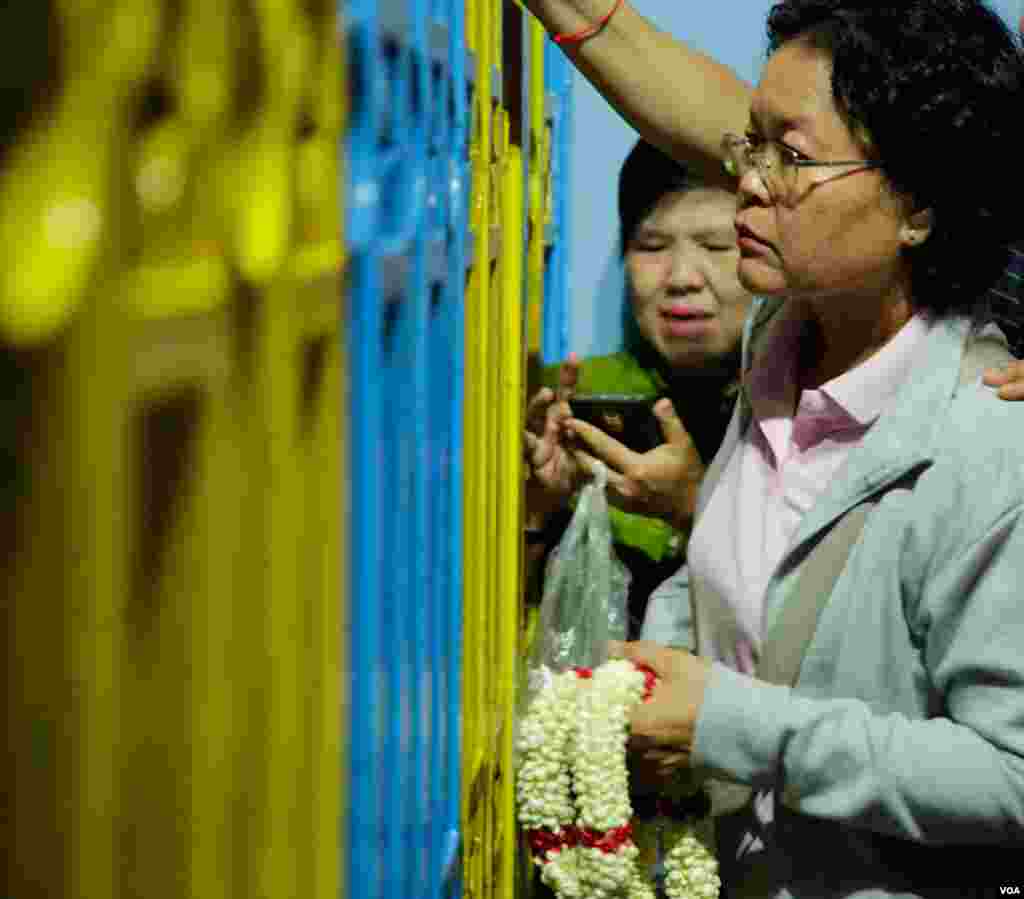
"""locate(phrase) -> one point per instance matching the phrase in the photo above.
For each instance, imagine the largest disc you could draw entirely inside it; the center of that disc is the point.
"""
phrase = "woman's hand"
(1009, 379)
(662, 482)
(662, 729)
(554, 471)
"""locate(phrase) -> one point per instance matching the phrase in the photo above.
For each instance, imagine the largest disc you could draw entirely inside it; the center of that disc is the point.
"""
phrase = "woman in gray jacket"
(857, 565)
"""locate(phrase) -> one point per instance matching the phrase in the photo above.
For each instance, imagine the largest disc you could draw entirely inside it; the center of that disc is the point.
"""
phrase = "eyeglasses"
(777, 165)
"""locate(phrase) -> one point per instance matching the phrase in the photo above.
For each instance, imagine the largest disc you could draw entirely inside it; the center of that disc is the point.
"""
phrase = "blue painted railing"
(407, 223)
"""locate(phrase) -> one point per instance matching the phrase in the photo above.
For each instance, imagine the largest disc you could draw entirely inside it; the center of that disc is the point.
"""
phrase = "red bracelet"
(576, 36)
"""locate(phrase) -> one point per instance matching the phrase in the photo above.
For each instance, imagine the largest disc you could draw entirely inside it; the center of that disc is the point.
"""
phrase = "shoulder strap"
(787, 641)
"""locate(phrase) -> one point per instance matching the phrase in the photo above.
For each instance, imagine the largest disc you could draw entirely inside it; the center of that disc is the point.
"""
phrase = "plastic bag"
(584, 603)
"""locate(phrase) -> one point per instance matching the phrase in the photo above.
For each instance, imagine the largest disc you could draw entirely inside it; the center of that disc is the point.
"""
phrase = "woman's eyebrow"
(783, 122)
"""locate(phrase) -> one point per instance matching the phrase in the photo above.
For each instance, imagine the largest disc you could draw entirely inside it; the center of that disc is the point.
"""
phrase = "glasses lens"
(737, 156)
(741, 157)
(769, 167)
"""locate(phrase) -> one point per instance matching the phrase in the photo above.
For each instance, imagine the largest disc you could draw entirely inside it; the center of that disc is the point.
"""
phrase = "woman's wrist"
(579, 35)
(569, 16)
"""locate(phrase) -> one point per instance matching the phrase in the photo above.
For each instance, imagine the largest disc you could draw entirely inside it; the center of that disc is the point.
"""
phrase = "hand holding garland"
(662, 729)
(582, 839)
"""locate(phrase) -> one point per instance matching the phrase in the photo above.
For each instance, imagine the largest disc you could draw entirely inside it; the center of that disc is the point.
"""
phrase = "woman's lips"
(750, 242)
(686, 321)
(751, 247)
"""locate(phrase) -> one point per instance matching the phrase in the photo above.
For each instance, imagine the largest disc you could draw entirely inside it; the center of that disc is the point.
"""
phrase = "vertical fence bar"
(420, 429)
(365, 322)
(537, 156)
(454, 560)
(556, 303)
(509, 530)
(475, 484)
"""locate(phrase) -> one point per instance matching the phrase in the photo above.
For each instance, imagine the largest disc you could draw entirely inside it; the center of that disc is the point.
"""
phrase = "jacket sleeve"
(957, 778)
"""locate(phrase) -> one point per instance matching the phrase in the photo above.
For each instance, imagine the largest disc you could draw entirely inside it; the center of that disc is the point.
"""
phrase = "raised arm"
(679, 99)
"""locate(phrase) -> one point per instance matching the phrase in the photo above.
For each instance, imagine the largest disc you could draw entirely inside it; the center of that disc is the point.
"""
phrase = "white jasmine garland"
(585, 849)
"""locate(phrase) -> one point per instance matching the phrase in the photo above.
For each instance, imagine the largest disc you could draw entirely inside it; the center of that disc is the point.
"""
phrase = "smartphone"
(628, 418)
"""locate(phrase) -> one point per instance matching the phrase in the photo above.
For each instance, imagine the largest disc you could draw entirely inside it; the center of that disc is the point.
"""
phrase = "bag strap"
(787, 641)
(790, 635)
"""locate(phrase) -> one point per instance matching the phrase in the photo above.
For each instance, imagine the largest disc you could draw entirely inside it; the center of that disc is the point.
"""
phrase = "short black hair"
(645, 177)
(938, 86)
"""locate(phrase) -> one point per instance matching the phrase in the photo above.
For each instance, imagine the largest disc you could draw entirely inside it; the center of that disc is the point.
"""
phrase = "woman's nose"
(752, 187)
(686, 272)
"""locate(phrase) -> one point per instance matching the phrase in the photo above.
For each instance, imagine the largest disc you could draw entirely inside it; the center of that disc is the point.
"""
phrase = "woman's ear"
(916, 228)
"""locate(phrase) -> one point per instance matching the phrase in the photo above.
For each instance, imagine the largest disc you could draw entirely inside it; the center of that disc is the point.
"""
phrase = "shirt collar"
(867, 390)
(861, 394)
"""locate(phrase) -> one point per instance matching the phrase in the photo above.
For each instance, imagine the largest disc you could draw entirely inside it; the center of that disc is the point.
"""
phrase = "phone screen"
(629, 419)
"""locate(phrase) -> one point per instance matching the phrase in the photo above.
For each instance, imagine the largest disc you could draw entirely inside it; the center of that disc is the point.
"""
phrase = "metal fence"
(457, 151)
(272, 273)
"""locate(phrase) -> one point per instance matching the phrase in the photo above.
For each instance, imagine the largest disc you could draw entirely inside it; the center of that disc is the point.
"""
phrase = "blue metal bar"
(394, 502)
(453, 558)
(555, 342)
(417, 428)
(438, 437)
(361, 864)
(362, 194)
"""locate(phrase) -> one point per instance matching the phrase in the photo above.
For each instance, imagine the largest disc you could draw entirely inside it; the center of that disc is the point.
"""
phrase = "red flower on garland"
(609, 841)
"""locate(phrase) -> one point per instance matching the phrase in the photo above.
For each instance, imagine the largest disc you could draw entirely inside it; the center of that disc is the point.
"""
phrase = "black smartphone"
(628, 418)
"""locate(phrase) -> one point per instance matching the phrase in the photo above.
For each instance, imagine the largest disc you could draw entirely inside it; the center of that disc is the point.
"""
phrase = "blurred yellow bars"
(174, 709)
(171, 312)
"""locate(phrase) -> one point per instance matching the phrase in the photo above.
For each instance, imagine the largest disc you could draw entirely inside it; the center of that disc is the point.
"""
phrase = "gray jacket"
(895, 766)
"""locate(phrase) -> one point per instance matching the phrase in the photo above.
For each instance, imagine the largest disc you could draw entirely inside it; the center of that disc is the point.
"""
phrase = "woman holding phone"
(686, 310)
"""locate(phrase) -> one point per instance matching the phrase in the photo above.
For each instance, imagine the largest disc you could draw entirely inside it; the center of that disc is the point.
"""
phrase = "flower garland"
(573, 792)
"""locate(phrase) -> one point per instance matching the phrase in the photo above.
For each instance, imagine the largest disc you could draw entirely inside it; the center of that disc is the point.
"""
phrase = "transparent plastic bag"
(584, 603)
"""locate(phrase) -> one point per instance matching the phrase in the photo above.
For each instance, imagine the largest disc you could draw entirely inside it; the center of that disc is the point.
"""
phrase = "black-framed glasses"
(777, 165)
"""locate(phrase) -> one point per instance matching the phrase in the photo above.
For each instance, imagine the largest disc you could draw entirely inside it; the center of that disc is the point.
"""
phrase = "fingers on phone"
(605, 447)
(671, 426)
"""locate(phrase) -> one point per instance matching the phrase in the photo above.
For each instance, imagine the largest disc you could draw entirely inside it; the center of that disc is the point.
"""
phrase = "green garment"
(622, 373)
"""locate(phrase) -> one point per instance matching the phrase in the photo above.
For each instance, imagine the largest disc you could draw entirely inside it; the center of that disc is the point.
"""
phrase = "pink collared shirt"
(782, 464)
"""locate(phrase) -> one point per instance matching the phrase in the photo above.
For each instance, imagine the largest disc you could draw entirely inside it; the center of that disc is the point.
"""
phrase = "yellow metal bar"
(100, 522)
(210, 541)
(477, 440)
(331, 458)
(509, 506)
(248, 651)
(277, 360)
(330, 452)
